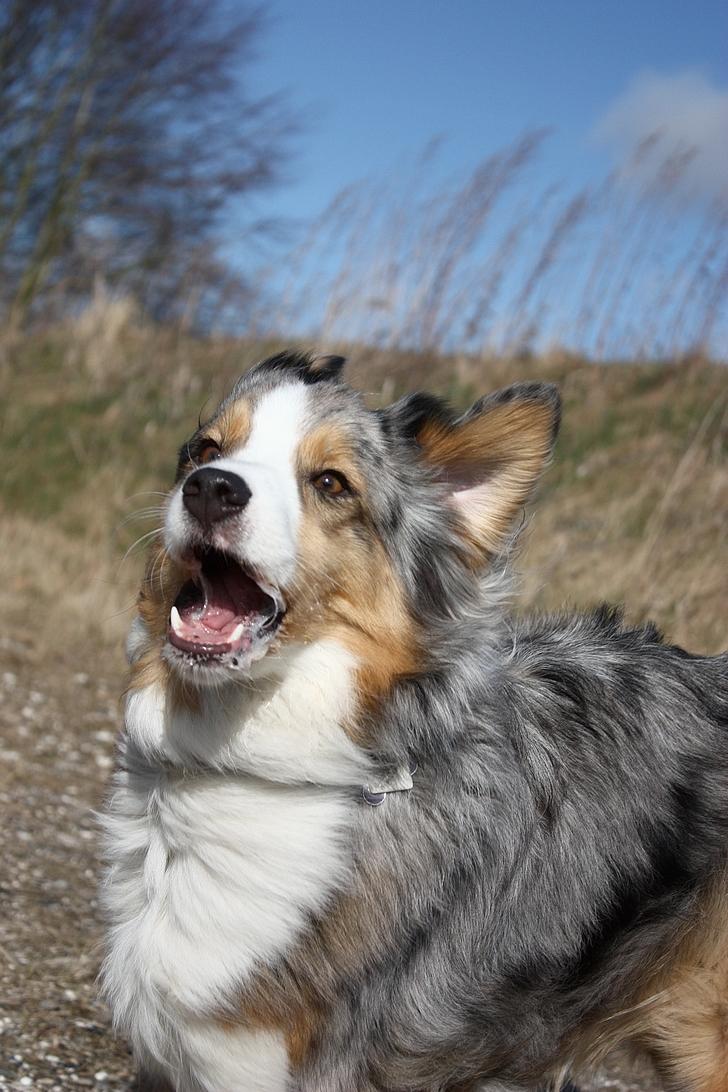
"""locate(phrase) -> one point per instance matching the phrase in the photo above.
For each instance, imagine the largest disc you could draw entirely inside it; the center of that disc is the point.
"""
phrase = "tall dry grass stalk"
(624, 268)
(97, 333)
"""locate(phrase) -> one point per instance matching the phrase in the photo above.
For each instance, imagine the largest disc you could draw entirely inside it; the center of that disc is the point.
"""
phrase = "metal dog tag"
(401, 781)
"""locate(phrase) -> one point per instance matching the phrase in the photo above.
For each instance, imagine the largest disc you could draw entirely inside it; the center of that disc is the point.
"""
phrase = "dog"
(370, 831)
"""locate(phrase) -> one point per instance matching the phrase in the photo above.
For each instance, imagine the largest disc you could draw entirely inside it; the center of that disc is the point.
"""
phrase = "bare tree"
(127, 131)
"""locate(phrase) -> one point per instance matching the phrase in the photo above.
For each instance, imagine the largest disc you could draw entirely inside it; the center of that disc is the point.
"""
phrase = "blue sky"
(379, 79)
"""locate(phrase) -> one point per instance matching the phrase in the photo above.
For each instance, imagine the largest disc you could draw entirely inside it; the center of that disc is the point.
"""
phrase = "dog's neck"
(286, 728)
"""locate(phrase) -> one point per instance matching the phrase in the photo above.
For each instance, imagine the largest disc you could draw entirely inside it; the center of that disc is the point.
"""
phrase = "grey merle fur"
(569, 809)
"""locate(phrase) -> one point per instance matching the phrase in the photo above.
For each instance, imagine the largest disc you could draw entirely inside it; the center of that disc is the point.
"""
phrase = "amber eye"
(210, 450)
(331, 483)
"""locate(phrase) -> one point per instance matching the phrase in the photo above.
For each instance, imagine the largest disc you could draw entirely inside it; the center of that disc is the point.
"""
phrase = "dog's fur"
(555, 880)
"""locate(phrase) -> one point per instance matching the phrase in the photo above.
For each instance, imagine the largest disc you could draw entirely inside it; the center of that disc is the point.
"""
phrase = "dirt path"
(56, 745)
(57, 731)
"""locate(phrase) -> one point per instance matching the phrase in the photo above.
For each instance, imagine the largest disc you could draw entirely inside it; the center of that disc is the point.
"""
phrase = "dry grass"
(505, 259)
(643, 522)
(634, 509)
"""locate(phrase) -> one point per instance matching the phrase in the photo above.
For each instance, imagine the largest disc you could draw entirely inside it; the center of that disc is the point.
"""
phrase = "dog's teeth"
(237, 633)
(175, 620)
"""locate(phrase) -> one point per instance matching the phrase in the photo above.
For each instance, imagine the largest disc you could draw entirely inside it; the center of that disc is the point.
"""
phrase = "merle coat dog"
(371, 831)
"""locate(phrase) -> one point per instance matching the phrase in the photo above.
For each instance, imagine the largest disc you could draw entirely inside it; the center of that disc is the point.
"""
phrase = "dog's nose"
(212, 495)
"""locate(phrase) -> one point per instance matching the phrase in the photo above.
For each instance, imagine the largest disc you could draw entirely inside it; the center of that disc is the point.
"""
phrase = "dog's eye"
(210, 450)
(331, 482)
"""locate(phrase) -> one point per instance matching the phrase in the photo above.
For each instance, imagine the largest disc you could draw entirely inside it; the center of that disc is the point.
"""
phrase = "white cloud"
(686, 113)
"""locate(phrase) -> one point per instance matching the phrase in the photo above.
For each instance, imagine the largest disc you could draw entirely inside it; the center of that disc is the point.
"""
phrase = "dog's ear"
(327, 365)
(308, 367)
(490, 458)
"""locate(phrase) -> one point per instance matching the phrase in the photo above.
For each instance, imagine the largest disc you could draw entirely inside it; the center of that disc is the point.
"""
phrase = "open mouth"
(223, 610)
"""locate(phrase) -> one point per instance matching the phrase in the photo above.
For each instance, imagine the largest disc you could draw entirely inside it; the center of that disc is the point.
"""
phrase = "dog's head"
(299, 515)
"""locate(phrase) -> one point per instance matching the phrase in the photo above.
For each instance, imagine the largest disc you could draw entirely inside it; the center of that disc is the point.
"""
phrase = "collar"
(374, 793)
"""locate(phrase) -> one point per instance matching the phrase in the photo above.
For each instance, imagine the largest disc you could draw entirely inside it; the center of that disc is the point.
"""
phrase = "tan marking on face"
(505, 449)
(232, 427)
(188, 464)
(230, 430)
(328, 448)
(346, 587)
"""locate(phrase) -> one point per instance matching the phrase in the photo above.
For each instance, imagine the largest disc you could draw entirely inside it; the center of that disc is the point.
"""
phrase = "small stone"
(101, 1076)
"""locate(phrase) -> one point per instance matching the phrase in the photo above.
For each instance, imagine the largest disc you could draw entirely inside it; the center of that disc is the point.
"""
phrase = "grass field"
(634, 508)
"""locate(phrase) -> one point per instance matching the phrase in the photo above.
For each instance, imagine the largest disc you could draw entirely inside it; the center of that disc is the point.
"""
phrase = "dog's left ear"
(490, 458)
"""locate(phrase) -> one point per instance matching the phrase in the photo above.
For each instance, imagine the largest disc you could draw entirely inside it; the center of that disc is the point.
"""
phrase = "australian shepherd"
(370, 831)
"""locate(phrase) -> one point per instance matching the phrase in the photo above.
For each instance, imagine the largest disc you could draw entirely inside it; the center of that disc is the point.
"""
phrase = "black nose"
(211, 495)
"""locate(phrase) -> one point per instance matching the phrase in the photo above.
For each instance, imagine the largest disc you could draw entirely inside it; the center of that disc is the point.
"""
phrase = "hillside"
(634, 508)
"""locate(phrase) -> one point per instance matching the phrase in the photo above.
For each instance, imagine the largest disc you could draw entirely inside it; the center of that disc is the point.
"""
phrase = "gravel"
(57, 732)
(56, 745)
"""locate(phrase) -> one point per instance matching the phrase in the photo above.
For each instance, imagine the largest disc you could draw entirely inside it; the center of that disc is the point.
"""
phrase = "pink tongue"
(229, 597)
(218, 618)
(218, 614)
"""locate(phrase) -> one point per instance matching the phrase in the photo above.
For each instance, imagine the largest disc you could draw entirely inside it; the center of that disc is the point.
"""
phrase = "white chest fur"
(213, 874)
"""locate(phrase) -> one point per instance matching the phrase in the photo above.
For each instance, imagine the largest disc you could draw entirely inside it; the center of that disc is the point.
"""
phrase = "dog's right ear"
(490, 458)
(327, 365)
